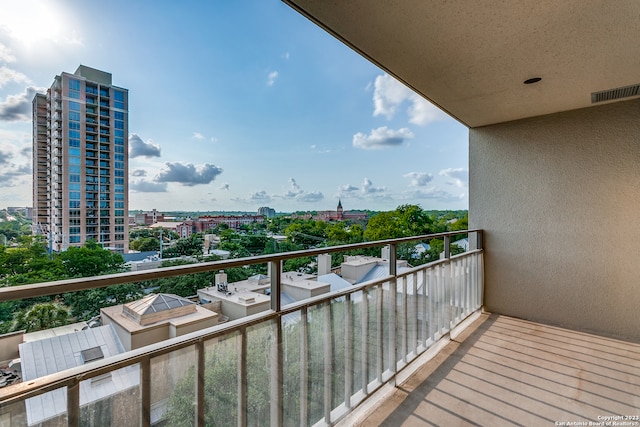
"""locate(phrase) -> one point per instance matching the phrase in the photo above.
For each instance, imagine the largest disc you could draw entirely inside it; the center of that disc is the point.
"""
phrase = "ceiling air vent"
(613, 94)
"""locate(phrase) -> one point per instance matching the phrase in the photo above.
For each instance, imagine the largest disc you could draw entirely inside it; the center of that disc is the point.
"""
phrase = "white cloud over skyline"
(382, 137)
(284, 100)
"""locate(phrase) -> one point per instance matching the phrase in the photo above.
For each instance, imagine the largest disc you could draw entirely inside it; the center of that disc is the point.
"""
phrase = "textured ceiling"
(471, 57)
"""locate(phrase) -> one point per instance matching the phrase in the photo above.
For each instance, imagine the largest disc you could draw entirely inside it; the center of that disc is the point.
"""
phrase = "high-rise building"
(80, 161)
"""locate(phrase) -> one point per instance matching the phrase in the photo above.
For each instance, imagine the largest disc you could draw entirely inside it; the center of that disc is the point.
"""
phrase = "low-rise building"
(155, 318)
(205, 223)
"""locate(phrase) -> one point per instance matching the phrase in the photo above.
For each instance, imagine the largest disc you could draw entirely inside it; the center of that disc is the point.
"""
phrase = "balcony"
(312, 361)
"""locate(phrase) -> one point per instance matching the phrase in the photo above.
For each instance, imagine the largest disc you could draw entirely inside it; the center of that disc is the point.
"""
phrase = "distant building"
(338, 215)
(204, 223)
(148, 218)
(267, 212)
(80, 161)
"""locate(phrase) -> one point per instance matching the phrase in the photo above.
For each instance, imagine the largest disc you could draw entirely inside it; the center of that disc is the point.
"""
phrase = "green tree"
(405, 221)
(41, 316)
(91, 260)
(145, 244)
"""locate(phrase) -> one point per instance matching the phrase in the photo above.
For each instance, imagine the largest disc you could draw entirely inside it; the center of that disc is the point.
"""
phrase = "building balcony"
(309, 362)
(410, 347)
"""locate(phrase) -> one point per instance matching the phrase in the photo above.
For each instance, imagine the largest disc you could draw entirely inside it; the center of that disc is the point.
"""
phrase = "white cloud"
(6, 55)
(433, 193)
(422, 112)
(459, 176)
(224, 186)
(271, 78)
(8, 75)
(389, 95)
(369, 188)
(348, 188)
(139, 148)
(18, 107)
(419, 179)
(15, 168)
(187, 174)
(381, 138)
(139, 172)
(143, 186)
(300, 195)
(256, 197)
(198, 135)
(286, 56)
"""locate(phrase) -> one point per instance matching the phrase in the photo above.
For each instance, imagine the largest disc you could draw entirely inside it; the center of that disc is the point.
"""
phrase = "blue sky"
(233, 105)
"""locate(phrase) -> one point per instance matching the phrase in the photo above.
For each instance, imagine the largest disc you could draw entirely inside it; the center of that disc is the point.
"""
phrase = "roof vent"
(617, 93)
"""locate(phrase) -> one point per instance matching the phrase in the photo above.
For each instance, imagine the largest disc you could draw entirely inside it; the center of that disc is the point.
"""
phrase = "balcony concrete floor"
(506, 371)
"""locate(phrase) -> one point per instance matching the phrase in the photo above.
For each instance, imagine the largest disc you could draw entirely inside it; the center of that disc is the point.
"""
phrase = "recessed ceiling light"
(532, 80)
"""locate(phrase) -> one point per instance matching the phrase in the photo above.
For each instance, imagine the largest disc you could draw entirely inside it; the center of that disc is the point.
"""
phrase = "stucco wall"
(559, 199)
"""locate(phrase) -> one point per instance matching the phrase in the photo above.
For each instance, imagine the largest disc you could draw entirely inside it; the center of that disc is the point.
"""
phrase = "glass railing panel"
(337, 328)
(112, 398)
(173, 385)
(261, 365)
(224, 360)
(387, 325)
(359, 345)
(295, 353)
(316, 363)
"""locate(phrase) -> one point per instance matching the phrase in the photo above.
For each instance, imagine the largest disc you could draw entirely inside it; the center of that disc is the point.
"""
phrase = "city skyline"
(233, 106)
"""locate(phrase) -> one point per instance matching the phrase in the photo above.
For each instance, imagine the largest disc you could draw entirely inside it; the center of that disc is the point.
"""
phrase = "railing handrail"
(11, 293)
(73, 376)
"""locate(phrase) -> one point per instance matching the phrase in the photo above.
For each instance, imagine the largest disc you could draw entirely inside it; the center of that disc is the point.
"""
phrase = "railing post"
(73, 404)
(304, 366)
(348, 352)
(275, 274)
(242, 378)
(145, 392)
(200, 354)
(447, 247)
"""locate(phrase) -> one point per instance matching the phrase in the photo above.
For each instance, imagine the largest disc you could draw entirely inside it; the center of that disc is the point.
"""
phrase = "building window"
(74, 84)
(74, 115)
(74, 239)
(118, 98)
(119, 181)
(74, 142)
(74, 204)
(118, 205)
(74, 106)
(74, 160)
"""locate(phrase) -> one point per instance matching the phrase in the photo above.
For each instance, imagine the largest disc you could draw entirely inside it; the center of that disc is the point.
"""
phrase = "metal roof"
(58, 353)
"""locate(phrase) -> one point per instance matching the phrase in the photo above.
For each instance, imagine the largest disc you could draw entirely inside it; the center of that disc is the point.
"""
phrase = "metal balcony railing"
(307, 363)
